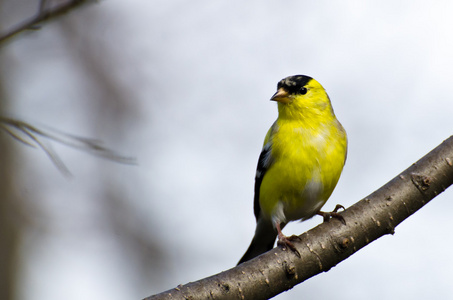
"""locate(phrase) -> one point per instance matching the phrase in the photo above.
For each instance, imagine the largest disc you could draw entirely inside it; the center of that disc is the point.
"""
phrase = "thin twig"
(47, 148)
(32, 136)
(44, 14)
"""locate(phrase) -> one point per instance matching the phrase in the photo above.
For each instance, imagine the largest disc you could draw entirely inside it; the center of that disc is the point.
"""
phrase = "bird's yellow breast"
(307, 160)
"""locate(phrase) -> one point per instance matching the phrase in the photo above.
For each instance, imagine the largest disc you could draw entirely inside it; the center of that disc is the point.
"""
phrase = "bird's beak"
(281, 96)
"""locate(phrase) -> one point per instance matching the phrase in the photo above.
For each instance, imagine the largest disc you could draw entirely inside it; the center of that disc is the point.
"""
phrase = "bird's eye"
(303, 90)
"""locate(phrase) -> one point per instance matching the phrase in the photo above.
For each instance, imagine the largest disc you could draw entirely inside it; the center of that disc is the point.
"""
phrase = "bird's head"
(300, 94)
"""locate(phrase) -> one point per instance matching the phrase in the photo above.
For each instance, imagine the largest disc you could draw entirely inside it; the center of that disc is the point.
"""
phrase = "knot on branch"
(345, 243)
(290, 270)
(421, 181)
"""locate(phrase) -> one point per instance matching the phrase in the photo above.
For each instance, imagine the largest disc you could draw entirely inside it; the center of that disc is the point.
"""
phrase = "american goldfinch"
(301, 161)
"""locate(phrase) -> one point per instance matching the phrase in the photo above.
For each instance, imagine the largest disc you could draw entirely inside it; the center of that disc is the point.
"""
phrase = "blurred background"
(184, 87)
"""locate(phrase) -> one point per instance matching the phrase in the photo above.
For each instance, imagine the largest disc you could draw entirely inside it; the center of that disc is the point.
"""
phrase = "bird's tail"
(262, 242)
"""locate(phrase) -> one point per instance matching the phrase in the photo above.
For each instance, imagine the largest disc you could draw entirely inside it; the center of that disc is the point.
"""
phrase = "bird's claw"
(286, 242)
(333, 214)
(338, 207)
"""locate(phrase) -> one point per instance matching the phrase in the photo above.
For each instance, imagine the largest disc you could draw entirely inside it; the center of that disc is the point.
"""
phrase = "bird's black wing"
(263, 165)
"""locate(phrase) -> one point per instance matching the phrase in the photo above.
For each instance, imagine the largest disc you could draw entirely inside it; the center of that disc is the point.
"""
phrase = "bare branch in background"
(32, 136)
(44, 14)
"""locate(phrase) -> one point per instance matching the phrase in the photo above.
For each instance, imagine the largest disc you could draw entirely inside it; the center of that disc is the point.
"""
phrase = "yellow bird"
(301, 161)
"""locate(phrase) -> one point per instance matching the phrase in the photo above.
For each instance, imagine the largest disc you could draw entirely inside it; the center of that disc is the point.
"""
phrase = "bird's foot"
(286, 242)
(333, 214)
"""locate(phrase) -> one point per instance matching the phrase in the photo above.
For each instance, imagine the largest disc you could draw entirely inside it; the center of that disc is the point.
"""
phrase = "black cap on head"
(293, 84)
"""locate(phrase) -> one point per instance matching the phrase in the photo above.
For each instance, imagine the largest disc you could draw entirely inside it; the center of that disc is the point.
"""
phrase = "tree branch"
(43, 14)
(330, 243)
(35, 137)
